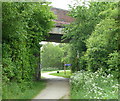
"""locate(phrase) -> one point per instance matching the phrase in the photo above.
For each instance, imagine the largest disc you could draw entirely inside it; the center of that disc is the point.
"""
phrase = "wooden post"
(39, 74)
(38, 70)
(64, 69)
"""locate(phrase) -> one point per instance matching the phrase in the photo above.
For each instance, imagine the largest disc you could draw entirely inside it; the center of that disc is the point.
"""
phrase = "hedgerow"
(24, 25)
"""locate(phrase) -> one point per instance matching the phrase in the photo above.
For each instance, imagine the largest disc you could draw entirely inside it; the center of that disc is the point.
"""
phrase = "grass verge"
(26, 90)
(62, 74)
(45, 71)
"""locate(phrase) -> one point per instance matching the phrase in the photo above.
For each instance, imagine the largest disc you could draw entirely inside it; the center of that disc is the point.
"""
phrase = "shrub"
(98, 85)
(114, 63)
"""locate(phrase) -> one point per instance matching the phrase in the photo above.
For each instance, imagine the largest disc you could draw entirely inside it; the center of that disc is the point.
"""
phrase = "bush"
(101, 43)
(21, 38)
(98, 85)
(24, 25)
(114, 63)
(83, 63)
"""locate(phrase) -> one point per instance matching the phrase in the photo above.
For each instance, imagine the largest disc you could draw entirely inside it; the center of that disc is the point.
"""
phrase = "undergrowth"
(26, 90)
(98, 85)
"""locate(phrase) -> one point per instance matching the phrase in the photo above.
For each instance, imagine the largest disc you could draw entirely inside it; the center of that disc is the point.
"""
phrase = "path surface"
(57, 87)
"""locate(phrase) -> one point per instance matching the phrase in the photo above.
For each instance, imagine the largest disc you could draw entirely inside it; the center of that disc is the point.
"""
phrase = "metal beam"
(53, 37)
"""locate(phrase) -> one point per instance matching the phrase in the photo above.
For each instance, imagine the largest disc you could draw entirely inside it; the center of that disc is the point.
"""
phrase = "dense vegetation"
(95, 45)
(24, 90)
(53, 56)
(24, 25)
(93, 49)
(94, 36)
(97, 85)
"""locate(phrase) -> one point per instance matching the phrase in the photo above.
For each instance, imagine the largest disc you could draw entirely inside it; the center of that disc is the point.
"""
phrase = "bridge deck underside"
(55, 38)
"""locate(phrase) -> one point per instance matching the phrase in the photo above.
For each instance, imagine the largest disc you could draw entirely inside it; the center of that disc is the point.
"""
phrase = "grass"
(22, 91)
(62, 74)
(45, 71)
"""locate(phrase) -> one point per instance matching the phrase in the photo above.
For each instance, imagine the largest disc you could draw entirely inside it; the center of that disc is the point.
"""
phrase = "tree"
(52, 56)
(104, 42)
(24, 25)
(90, 41)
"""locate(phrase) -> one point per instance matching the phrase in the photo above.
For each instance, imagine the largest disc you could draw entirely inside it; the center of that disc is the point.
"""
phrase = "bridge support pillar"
(38, 69)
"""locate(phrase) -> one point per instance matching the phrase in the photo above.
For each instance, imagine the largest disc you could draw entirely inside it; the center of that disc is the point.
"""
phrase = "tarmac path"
(57, 87)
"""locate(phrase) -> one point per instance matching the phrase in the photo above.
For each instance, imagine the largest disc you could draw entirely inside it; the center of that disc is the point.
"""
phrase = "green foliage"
(94, 35)
(98, 85)
(23, 90)
(114, 60)
(85, 22)
(52, 56)
(66, 53)
(24, 25)
(95, 45)
(100, 44)
(114, 63)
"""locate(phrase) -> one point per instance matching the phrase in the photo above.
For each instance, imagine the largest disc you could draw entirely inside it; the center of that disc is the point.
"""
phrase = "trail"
(57, 87)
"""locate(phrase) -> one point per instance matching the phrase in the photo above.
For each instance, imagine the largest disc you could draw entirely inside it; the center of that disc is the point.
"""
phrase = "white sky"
(63, 4)
(44, 42)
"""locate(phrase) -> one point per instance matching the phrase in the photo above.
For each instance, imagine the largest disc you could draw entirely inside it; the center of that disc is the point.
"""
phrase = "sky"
(63, 4)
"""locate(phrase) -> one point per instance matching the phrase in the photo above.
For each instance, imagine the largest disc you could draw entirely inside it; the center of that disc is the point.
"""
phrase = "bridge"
(55, 35)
